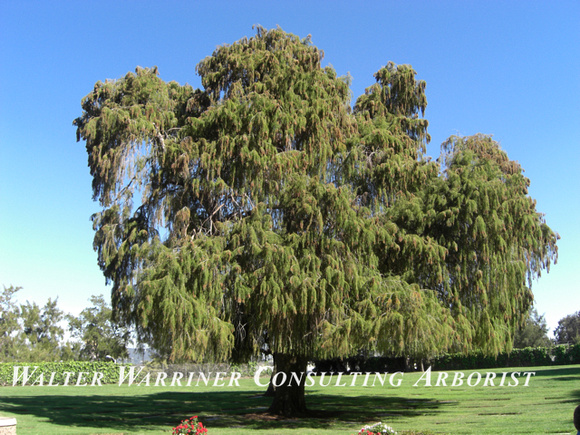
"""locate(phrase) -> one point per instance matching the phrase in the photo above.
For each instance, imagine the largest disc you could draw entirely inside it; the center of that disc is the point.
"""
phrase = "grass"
(544, 406)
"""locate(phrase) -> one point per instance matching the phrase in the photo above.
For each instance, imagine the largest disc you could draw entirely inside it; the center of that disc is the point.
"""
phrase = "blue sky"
(509, 68)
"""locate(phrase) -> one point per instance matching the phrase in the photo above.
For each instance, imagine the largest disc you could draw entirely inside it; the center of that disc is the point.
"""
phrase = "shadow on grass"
(216, 409)
(575, 397)
(560, 373)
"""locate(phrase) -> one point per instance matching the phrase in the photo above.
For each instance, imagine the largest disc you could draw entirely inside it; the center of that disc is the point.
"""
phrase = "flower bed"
(190, 427)
(377, 429)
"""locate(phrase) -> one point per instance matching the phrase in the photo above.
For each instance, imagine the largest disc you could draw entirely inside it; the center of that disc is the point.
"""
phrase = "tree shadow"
(574, 398)
(560, 373)
(244, 409)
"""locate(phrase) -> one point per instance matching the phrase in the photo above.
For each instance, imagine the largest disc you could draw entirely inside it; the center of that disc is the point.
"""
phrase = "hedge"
(109, 370)
(528, 357)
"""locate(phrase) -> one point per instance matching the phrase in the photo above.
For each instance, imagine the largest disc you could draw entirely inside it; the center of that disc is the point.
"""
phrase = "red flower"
(190, 427)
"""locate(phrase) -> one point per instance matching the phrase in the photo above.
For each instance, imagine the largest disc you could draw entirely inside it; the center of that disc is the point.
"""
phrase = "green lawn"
(544, 406)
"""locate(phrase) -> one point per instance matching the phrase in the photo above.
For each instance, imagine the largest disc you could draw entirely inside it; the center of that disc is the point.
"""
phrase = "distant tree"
(534, 332)
(99, 335)
(568, 329)
(265, 212)
(42, 332)
(9, 325)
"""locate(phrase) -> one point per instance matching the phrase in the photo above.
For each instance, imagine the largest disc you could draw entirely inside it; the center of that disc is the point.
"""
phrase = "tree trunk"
(289, 381)
(271, 391)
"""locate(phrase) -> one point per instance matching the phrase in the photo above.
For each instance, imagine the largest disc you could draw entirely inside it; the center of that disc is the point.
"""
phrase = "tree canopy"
(264, 212)
(100, 337)
(534, 333)
(9, 326)
(29, 332)
(568, 329)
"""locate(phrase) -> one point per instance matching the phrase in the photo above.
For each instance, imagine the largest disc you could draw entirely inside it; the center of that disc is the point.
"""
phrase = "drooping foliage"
(263, 212)
(496, 241)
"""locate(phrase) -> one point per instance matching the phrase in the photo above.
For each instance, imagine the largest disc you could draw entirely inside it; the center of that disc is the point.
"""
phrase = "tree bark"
(289, 381)
(271, 391)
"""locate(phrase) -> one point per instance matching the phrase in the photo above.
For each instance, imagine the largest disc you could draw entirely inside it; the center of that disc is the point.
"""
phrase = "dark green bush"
(516, 358)
(528, 357)
(574, 353)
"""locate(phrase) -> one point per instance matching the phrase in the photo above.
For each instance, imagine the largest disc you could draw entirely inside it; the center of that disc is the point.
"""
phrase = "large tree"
(262, 212)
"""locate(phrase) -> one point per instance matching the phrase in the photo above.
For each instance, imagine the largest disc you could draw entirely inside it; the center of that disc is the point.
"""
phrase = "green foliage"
(527, 357)
(566, 354)
(109, 370)
(534, 333)
(262, 213)
(99, 334)
(9, 326)
(496, 242)
(568, 329)
(31, 333)
(524, 357)
(42, 331)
